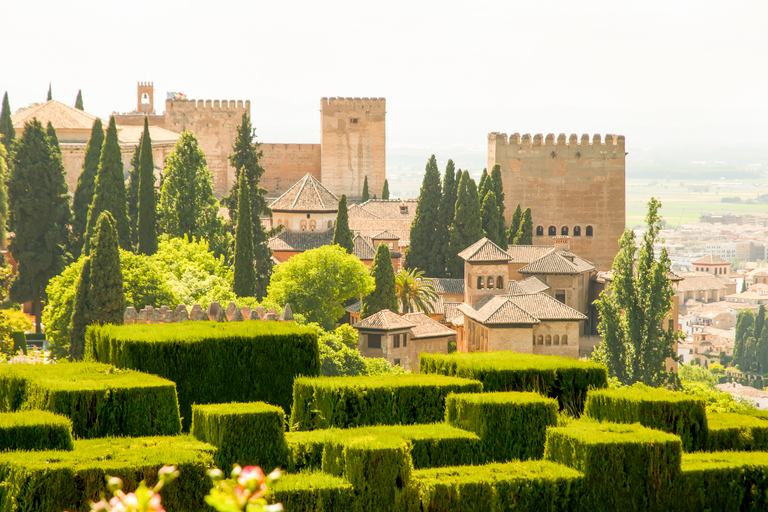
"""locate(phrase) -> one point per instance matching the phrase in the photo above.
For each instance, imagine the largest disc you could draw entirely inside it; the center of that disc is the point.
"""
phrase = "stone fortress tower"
(574, 188)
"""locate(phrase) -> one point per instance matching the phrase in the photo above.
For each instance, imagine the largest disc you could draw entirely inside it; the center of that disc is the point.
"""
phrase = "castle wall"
(353, 145)
(138, 120)
(214, 123)
(566, 184)
(285, 164)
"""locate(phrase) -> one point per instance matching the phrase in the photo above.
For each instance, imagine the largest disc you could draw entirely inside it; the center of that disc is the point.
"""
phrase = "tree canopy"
(384, 296)
(147, 208)
(342, 235)
(385, 191)
(514, 225)
(245, 274)
(414, 291)
(366, 194)
(445, 219)
(7, 132)
(3, 196)
(525, 231)
(498, 188)
(79, 100)
(467, 227)
(86, 184)
(421, 251)
(491, 218)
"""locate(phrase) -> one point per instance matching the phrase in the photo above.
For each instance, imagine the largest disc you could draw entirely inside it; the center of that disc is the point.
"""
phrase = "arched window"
(500, 283)
(539, 230)
(552, 231)
(565, 339)
(576, 230)
(564, 231)
(589, 231)
(556, 339)
(541, 339)
(330, 223)
(548, 340)
(145, 99)
(490, 283)
(279, 221)
(312, 225)
(480, 282)
(303, 225)
(391, 246)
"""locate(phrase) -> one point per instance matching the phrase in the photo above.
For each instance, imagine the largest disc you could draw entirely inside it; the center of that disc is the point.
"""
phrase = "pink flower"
(250, 476)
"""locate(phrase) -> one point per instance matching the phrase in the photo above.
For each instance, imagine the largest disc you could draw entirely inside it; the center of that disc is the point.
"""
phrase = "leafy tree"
(50, 93)
(79, 100)
(86, 183)
(484, 185)
(109, 191)
(491, 220)
(633, 308)
(7, 132)
(79, 321)
(420, 253)
(696, 373)
(384, 296)
(132, 192)
(245, 273)
(39, 215)
(385, 191)
(414, 291)
(745, 329)
(498, 188)
(525, 232)
(444, 220)
(342, 235)
(761, 352)
(759, 321)
(514, 225)
(147, 215)
(316, 283)
(53, 139)
(3, 203)
(365, 190)
(467, 227)
(105, 301)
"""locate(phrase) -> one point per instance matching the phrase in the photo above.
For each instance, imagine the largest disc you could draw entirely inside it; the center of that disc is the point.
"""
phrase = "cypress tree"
(420, 252)
(484, 185)
(342, 235)
(105, 300)
(7, 133)
(498, 188)
(245, 273)
(385, 294)
(525, 233)
(50, 94)
(385, 191)
(39, 215)
(759, 322)
(53, 139)
(445, 218)
(762, 352)
(3, 197)
(365, 190)
(467, 225)
(79, 100)
(109, 191)
(147, 216)
(132, 193)
(490, 216)
(514, 225)
(80, 314)
(745, 329)
(86, 183)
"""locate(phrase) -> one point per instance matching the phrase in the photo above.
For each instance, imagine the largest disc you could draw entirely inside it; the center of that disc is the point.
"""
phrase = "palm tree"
(414, 290)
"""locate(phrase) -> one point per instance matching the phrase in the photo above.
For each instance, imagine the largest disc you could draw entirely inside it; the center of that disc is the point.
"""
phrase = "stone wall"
(214, 312)
(285, 164)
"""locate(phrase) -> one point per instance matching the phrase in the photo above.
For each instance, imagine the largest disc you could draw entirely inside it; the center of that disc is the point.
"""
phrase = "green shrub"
(625, 466)
(99, 399)
(19, 342)
(510, 425)
(34, 430)
(48, 481)
(536, 486)
(213, 362)
(676, 413)
(563, 378)
(383, 400)
(249, 434)
(736, 432)
(313, 492)
(305, 449)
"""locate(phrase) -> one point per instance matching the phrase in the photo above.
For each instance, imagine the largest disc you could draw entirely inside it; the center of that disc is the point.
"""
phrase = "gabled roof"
(545, 307)
(354, 308)
(385, 320)
(484, 250)
(291, 241)
(559, 262)
(528, 285)
(307, 195)
(444, 285)
(451, 311)
(498, 311)
(363, 249)
(390, 208)
(710, 259)
(426, 327)
(386, 235)
(696, 281)
(60, 115)
(132, 134)
(525, 254)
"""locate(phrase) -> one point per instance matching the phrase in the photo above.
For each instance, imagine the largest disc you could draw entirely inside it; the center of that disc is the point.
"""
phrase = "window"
(548, 340)
(307, 215)
(500, 283)
(303, 225)
(589, 231)
(396, 341)
(397, 362)
(312, 225)
(374, 341)
(490, 283)
(279, 221)
(391, 246)
(541, 339)
(552, 231)
(539, 230)
(556, 339)
(560, 295)
(480, 283)
(353, 120)
(405, 340)
(564, 339)
(330, 223)
(145, 98)
(576, 230)
(564, 231)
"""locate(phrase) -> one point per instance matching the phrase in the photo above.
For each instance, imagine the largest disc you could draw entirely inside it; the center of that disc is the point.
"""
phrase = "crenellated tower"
(145, 102)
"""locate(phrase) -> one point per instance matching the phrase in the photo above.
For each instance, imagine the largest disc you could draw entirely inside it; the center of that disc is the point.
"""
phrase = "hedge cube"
(313, 492)
(34, 430)
(737, 432)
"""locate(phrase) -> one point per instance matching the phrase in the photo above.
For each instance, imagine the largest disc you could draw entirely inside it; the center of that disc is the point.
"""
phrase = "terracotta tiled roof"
(560, 262)
(544, 307)
(290, 241)
(363, 249)
(710, 259)
(528, 285)
(354, 308)
(385, 320)
(132, 135)
(484, 250)
(386, 235)
(448, 286)
(357, 212)
(426, 327)
(498, 310)
(391, 208)
(695, 281)
(60, 115)
(451, 311)
(438, 305)
(375, 216)
(307, 195)
(527, 253)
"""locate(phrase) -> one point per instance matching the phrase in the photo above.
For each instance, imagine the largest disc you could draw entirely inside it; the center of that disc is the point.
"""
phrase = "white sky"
(660, 72)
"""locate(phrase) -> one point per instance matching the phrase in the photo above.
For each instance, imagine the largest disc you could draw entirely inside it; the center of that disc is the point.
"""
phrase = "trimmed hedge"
(625, 466)
(213, 362)
(673, 412)
(99, 399)
(34, 430)
(249, 434)
(48, 481)
(19, 342)
(510, 425)
(313, 492)
(535, 486)
(344, 402)
(736, 432)
(563, 378)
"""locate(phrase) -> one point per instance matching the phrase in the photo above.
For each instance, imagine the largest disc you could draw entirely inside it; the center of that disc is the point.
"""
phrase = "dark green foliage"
(745, 329)
(109, 191)
(342, 235)
(105, 301)
(99, 399)
(68, 480)
(34, 430)
(750, 352)
(19, 341)
(3, 195)
(557, 377)
(736, 432)
(366, 195)
(484, 185)
(510, 425)
(252, 360)
(245, 273)
(420, 254)
(759, 321)
(385, 191)
(385, 294)
(147, 215)
(669, 411)
(625, 467)
(445, 219)
(467, 226)
(86, 184)
(132, 192)
(248, 434)
(80, 314)
(313, 492)
(531, 486)
(53, 139)
(498, 188)
(525, 232)
(491, 219)
(514, 225)
(39, 215)
(387, 400)
(7, 132)
(50, 93)
(79, 100)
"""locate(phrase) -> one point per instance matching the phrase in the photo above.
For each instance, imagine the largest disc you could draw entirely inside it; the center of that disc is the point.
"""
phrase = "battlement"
(220, 105)
(613, 142)
(288, 147)
(370, 104)
(146, 84)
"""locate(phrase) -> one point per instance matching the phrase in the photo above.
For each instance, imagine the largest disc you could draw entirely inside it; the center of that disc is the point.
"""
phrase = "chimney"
(562, 243)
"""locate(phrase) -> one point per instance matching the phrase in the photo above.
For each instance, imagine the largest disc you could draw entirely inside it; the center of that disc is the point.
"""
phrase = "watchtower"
(145, 103)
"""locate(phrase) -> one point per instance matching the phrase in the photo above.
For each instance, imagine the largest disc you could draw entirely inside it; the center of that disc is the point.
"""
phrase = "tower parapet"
(612, 143)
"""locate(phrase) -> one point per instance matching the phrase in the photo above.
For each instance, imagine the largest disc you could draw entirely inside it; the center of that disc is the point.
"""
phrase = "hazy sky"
(660, 72)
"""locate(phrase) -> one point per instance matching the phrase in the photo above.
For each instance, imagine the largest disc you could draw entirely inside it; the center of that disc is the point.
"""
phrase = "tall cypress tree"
(50, 93)
(385, 191)
(132, 193)
(109, 191)
(484, 185)
(420, 252)
(759, 322)
(86, 183)
(525, 233)
(762, 352)
(365, 190)
(514, 225)
(384, 296)
(105, 297)
(80, 314)
(3, 197)
(490, 216)
(53, 139)
(245, 274)
(467, 225)
(79, 100)
(39, 215)
(445, 219)
(7, 133)
(498, 188)
(342, 235)
(147, 216)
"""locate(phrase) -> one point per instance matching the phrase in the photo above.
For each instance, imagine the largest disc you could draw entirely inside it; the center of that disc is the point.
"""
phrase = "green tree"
(761, 352)
(514, 225)
(420, 253)
(316, 283)
(414, 291)
(385, 191)
(759, 321)
(79, 321)
(365, 190)
(7, 132)
(50, 92)
(147, 215)
(53, 139)
(384, 296)
(86, 183)
(525, 232)
(491, 220)
(467, 227)
(444, 220)
(39, 216)
(245, 273)
(105, 300)
(633, 308)
(484, 185)
(498, 188)
(342, 235)
(3, 202)
(745, 329)
(79, 100)
(109, 191)
(132, 192)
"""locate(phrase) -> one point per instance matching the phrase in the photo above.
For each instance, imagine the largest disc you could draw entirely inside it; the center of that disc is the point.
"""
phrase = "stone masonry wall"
(214, 312)
(285, 164)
